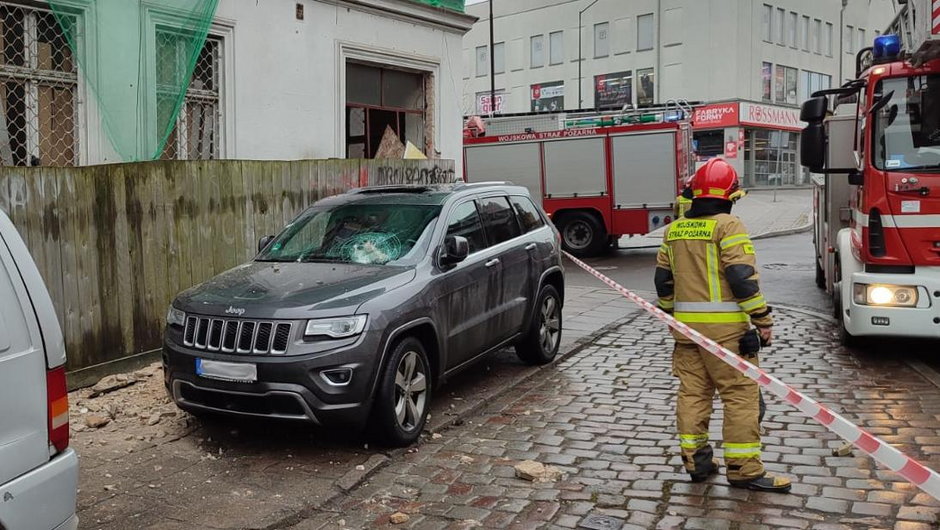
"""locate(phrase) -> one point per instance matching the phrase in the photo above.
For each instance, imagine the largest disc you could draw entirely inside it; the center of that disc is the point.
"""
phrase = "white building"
(761, 59)
(277, 79)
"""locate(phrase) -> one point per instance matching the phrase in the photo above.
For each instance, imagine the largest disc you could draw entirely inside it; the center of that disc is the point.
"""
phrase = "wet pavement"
(604, 417)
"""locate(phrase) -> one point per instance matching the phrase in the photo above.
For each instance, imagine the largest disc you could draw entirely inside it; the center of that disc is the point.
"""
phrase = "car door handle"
(530, 247)
(492, 262)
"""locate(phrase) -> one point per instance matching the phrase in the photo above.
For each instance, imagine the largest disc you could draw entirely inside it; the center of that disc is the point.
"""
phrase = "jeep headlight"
(175, 317)
(336, 328)
(885, 295)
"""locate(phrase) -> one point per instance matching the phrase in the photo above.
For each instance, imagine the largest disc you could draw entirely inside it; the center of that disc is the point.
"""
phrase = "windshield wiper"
(321, 259)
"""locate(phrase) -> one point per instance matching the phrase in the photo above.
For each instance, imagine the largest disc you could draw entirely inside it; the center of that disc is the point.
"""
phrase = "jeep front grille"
(236, 336)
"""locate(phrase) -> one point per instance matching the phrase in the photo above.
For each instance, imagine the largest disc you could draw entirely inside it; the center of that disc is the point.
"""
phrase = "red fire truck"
(599, 176)
(875, 143)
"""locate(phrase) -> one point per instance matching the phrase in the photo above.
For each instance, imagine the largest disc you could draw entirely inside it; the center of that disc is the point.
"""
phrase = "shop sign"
(484, 105)
(613, 90)
(548, 97)
(770, 116)
(715, 116)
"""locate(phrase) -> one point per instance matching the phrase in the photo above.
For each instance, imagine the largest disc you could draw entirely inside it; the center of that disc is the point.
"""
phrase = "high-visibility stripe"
(711, 191)
(714, 281)
(712, 318)
(753, 303)
(737, 239)
(692, 441)
(672, 259)
(708, 307)
(742, 450)
(666, 304)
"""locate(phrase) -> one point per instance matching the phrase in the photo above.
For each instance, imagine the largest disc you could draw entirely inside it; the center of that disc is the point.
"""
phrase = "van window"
(529, 216)
(13, 330)
(498, 220)
(465, 221)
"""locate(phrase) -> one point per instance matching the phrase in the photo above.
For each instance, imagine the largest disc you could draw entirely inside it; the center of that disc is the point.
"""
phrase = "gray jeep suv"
(365, 302)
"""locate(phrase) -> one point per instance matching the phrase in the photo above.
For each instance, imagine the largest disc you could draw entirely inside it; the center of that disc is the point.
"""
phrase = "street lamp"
(580, 55)
(492, 65)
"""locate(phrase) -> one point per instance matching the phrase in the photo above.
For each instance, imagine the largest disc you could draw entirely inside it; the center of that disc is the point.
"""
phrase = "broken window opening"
(380, 99)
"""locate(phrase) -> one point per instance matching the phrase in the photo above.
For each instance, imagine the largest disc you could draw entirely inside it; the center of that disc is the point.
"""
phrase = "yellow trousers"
(700, 375)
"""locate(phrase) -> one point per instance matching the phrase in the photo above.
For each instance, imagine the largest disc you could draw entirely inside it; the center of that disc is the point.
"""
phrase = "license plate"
(235, 372)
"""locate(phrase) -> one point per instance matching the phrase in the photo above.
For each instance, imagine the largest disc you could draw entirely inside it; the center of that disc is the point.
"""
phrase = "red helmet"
(717, 179)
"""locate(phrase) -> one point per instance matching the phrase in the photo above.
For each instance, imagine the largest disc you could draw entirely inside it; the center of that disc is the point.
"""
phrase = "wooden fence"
(116, 243)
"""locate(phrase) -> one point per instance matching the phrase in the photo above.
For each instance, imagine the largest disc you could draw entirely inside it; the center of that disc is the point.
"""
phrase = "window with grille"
(197, 134)
(38, 88)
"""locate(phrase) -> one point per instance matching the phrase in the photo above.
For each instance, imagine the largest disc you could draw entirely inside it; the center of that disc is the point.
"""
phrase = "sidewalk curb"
(788, 232)
(354, 478)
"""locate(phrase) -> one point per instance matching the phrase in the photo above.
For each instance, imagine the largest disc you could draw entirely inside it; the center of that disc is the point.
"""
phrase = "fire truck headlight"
(885, 295)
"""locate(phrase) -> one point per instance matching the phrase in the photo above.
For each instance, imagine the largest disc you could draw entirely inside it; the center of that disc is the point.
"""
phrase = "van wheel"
(403, 399)
(820, 276)
(582, 234)
(541, 342)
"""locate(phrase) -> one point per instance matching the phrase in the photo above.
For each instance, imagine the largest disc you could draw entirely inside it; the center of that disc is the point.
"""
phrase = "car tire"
(541, 341)
(403, 399)
(582, 234)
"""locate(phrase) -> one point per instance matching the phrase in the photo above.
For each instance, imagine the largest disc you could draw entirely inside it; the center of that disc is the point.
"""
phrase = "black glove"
(750, 343)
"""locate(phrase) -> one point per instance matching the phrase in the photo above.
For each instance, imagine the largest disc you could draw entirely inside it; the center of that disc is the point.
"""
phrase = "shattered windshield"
(907, 128)
(367, 234)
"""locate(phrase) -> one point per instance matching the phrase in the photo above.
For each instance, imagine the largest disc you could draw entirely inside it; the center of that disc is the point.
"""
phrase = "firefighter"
(706, 277)
(684, 200)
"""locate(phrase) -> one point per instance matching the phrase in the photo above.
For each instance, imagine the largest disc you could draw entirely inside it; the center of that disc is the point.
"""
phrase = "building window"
(827, 39)
(785, 83)
(862, 43)
(646, 87)
(537, 56)
(709, 144)
(804, 33)
(780, 26)
(499, 57)
(766, 81)
(197, 133)
(601, 40)
(38, 88)
(644, 32)
(765, 22)
(791, 29)
(848, 42)
(811, 82)
(770, 158)
(483, 61)
(817, 35)
(379, 100)
(556, 47)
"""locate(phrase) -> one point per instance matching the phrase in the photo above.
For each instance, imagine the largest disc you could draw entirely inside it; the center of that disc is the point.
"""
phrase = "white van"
(38, 470)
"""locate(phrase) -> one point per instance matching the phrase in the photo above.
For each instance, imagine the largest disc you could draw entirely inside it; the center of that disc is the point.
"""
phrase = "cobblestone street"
(604, 417)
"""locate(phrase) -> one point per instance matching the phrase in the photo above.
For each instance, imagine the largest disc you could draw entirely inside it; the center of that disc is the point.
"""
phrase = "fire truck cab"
(599, 177)
(875, 141)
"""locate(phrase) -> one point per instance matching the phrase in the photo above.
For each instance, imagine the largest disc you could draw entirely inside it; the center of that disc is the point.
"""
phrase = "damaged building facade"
(273, 79)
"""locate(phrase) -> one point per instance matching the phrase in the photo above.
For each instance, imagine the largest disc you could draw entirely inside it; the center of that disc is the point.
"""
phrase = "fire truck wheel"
(582, 234)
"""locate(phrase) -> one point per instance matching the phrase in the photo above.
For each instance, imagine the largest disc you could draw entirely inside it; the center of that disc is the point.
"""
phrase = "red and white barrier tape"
(918, 474)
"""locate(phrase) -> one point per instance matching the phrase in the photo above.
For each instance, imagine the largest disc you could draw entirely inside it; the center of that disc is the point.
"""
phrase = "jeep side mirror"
(263, 242)
(813, 147)
(456, 249)
(814, 109)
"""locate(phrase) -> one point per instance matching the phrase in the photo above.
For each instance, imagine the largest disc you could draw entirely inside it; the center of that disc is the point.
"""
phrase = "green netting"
(138, 60)
(456, 5)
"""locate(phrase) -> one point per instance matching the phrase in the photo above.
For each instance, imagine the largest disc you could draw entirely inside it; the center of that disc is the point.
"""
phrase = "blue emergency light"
(886, 47)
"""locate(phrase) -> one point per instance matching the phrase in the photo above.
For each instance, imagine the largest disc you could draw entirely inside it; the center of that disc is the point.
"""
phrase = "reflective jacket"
(706, 276)
(682, 205)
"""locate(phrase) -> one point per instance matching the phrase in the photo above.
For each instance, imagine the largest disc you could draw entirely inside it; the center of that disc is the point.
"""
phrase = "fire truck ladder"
(915, 24)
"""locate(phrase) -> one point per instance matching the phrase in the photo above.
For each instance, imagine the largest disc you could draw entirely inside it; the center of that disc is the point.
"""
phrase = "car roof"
(431, 195)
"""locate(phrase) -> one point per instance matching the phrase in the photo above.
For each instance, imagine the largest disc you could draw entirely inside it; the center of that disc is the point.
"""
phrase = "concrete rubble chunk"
(96, 422)
(111, 383)
(399, 518)
(537, 472)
